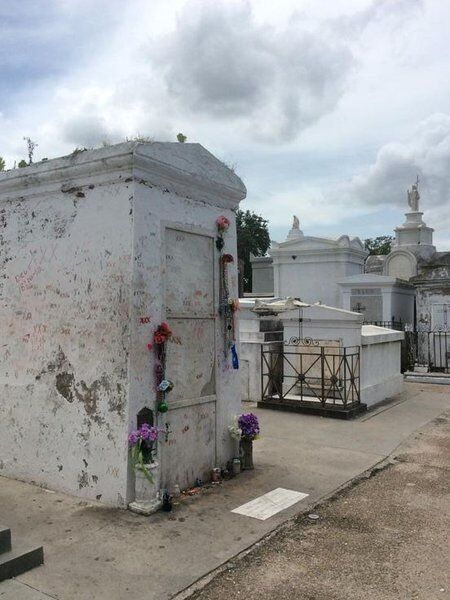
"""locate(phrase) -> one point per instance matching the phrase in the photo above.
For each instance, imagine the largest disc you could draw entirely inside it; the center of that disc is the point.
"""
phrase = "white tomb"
(309, 267)
(379, 298)
(319, 326)
(98, 248)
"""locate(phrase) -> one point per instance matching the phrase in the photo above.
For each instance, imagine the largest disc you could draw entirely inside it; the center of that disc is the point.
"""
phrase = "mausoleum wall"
(176, 279)
(98, 249)
(315, 279)
(66, 243)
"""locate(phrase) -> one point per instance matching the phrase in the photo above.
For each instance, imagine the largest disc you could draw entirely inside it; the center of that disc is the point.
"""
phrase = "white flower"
(235, 432)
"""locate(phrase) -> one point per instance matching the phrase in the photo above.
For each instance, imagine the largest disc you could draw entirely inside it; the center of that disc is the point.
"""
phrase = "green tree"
(181, 138)
(2, 163)
(22, 163)
(379, 245)
(252, 238)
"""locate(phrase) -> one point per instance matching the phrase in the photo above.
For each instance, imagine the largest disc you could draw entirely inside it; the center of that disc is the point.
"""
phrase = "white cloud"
(426, 153)
(228, 67)
(301, 96)
(220, 61)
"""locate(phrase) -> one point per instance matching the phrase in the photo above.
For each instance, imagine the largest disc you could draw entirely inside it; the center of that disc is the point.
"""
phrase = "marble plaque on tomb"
(189, 292)
(189, 274)
(369, 306)
(190, 359)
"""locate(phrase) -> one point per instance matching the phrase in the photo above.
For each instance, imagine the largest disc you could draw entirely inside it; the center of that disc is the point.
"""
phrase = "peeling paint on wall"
(64, 322)
(82, 261)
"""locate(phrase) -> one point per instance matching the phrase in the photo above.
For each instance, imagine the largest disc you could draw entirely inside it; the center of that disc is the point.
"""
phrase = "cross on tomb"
(359, 307)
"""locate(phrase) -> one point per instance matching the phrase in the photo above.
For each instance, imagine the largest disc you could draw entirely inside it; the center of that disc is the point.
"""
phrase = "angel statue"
(296, 223)
(414, 196)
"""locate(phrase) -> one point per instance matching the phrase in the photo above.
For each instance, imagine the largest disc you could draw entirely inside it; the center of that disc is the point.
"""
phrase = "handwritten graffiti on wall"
(40, 256)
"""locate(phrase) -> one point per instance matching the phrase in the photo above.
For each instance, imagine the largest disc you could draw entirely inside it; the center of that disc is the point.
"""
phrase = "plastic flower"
(162, 333)
(165, 386)
(159, 338)
(145, 433)
(222, 223)
(141, 447)
(133, 438)
(150, 346)
(164, 327)
(249, 425)
(235, 432)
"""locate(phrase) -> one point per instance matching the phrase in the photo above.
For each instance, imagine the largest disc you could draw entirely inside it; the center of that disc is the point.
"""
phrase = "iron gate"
(308, 377)
(429, 349)
(439, 351)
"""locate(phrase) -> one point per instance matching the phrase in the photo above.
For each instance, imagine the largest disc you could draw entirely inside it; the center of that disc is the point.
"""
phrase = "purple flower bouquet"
(249, 425)
(141, 443)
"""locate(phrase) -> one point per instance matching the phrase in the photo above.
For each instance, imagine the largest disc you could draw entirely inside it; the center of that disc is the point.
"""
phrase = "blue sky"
(327, 110)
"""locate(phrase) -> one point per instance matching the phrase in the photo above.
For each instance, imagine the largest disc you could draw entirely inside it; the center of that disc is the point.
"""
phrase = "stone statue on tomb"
(414, 196)
(295, 233)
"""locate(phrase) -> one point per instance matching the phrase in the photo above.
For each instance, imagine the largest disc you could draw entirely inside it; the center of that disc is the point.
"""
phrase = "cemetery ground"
(381, 538)
(385, 538)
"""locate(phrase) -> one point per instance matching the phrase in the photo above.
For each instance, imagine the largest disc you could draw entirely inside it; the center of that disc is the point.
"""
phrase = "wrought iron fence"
(307, 373)
(409, 351)
(429, 349)
(439, 351)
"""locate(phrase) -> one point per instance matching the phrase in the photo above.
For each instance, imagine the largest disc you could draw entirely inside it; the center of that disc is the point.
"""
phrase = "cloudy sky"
(327, 110)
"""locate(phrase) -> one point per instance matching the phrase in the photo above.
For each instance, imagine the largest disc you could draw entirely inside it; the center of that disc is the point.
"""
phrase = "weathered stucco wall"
(176, 279)
(96, 250)
(433, 297)
(65, 289)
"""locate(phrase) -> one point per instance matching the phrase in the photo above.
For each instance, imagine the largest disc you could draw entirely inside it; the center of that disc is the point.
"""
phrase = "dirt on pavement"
(385, 538)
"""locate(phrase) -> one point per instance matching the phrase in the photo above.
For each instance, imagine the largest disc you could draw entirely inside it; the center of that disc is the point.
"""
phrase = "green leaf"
(137, 459)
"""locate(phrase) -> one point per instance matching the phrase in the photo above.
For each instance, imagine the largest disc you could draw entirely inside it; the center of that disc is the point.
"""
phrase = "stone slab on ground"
(95, 552)
(384, 539)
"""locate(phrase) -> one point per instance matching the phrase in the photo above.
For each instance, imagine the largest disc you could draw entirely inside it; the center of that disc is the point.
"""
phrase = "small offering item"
(236, 466)
(216, 475)
(245, 429)
(167, 501)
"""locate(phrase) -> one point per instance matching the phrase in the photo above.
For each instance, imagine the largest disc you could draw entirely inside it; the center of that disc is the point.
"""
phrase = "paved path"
(384, 539)
(93, 552)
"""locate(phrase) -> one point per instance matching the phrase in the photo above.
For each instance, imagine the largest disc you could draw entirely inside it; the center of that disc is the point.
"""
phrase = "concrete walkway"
(92, 552)
(383, 539)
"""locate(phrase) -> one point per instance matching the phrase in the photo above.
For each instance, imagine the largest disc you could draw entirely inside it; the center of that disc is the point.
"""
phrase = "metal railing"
(305, 373)
(426, 348)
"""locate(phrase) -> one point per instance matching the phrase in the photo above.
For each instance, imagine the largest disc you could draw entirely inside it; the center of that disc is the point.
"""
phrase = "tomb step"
(18, 561)
(5, 539)
(417, 377)
(314, 408)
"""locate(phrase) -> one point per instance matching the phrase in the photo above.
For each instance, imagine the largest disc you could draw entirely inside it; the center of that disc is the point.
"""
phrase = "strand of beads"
(227, 306)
